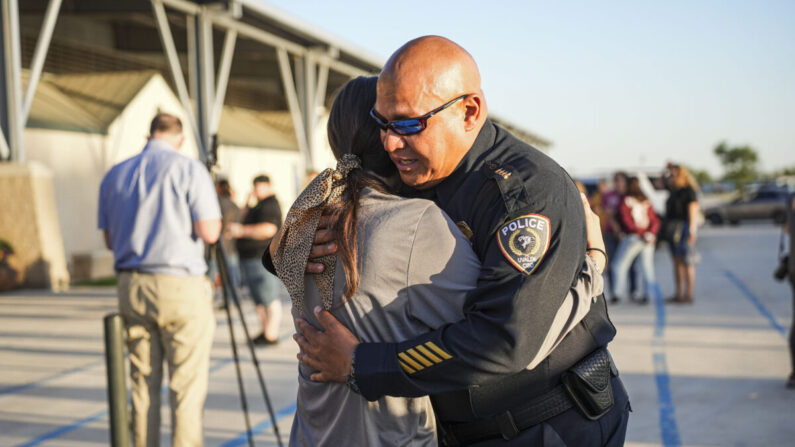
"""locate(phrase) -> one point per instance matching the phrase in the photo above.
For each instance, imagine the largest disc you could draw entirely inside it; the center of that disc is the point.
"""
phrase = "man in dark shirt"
(253, 235)
(491, 375)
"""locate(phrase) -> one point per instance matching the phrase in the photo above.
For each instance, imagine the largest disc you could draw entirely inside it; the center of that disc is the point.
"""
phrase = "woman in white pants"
(640, 224)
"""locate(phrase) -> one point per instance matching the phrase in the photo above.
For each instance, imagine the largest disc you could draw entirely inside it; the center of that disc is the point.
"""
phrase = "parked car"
(764, 204)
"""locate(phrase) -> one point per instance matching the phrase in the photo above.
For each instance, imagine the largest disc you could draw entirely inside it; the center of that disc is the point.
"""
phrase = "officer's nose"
(392, 141)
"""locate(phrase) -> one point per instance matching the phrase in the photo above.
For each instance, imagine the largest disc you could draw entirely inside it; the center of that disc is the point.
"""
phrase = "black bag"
(588, 384)
(671, 231)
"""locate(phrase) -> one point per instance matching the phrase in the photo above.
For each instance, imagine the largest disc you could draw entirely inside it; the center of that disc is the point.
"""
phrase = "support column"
(11, 121)
(205, 84)
(167, 39)
(193, 67)
(294, 106)
(308, 105)
(40, 54)
(223, 79)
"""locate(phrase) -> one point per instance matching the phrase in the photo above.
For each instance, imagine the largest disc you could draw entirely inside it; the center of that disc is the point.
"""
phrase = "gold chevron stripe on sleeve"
(432, 346)
(406, 367)
(418, 356)
(428, 354)
(410, 361)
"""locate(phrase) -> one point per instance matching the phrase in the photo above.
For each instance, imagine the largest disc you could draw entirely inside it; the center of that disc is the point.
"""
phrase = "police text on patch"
(526, 222)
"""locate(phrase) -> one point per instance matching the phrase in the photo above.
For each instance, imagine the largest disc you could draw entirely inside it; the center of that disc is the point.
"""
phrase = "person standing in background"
(640, 224)
(610, 202)
(157, 210)
(259, 223)
(681, 229)
(230, 213)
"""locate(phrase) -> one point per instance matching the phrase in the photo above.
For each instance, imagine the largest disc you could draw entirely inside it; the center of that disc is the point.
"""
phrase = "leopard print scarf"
(298, 233)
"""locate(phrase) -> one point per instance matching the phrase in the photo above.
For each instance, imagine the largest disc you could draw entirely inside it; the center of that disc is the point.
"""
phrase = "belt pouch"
(588, 384)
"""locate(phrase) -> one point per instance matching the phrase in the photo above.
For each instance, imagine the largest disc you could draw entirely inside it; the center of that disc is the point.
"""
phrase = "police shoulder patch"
(524, 241)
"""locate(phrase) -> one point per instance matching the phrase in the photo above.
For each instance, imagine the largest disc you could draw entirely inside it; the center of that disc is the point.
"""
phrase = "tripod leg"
(223, 268)
(243, 399)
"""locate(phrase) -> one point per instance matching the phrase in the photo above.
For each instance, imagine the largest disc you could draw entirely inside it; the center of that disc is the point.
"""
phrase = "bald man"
(508, 373)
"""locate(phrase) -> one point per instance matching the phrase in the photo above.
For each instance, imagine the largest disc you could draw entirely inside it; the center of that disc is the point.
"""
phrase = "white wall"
(77, 163)
(322, 157)
(127, 133)
(241, 164)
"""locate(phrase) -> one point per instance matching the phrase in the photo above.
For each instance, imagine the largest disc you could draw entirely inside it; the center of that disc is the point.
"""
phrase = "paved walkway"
(710, 374)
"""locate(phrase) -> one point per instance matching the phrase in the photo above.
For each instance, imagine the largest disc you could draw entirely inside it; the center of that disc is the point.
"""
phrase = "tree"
(784, 172)
(701, 175)
(739, 163)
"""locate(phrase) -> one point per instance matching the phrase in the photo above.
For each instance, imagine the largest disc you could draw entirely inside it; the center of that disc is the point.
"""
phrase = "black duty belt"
(508, 424)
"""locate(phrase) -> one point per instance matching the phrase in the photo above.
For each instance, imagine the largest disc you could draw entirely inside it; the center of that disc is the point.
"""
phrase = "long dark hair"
(633, 189)
(352, 131)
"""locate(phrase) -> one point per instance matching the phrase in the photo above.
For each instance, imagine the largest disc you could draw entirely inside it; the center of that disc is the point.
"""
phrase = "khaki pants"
(167, 318)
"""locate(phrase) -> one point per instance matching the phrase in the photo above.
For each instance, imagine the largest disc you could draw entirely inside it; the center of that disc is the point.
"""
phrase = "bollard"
(117, 383)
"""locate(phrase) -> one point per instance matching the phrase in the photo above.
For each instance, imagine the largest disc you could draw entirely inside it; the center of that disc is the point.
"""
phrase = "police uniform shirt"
(524, 218)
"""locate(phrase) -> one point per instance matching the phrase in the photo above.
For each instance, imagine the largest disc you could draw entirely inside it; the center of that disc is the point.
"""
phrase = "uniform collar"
(472, 160)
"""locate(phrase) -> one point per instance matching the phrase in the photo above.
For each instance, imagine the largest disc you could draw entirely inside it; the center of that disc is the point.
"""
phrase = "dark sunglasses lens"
(407, 127)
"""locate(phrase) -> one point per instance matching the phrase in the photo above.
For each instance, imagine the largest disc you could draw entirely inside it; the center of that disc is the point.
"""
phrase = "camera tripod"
(229, 289)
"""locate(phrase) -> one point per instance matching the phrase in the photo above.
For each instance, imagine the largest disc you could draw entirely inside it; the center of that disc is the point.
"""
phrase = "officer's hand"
(324, 244)
(329, 351)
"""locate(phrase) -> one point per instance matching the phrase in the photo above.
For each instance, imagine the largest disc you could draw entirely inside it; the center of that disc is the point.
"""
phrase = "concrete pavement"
(707, 374)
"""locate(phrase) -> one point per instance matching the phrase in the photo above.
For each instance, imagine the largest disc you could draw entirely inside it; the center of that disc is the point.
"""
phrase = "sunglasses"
(411, 126)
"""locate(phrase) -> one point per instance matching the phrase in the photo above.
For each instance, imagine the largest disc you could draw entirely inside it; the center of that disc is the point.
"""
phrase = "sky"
(613, 84)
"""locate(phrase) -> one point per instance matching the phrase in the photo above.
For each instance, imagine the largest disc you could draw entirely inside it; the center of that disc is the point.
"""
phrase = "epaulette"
(510, 183)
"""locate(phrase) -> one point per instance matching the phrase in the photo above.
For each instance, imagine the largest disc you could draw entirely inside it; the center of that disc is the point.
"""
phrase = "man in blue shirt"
(157, 210)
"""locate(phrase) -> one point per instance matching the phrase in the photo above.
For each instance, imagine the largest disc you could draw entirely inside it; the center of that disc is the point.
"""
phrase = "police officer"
(496, 375)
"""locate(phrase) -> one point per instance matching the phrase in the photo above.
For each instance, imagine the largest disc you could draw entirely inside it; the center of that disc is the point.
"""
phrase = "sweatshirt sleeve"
(438, 284)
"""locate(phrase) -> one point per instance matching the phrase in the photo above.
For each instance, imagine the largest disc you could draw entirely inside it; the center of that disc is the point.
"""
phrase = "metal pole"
(223, 79)
(193, 67)
(310, 111)
(5, 152)
(40, 54)
(167, 39)
(322, 85)
(206, 82)
(11, 121)
(117, 383)
(293, 105)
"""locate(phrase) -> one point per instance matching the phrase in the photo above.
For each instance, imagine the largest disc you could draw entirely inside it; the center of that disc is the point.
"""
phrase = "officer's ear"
(475, 112)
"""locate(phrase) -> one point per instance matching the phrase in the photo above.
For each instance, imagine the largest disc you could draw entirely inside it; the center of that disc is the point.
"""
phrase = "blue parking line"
(58, 432)
(668, 427)
(659, 307)
(756, 302)
(24, 387)
(27, 386)
(242, 438)
(64, 430)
